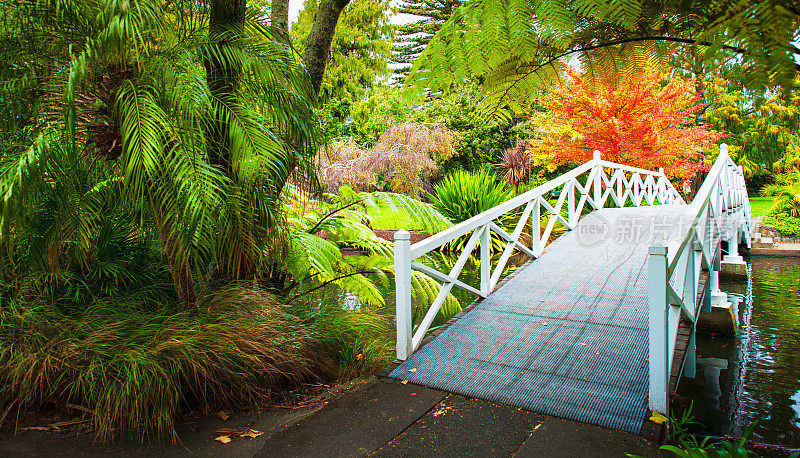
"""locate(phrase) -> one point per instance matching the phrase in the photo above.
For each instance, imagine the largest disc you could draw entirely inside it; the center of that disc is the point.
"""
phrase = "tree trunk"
(279, 16)
(318, 47)
(181, 273)
(227, 16)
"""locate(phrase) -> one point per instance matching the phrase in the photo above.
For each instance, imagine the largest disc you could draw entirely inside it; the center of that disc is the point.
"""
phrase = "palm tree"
(200, 167)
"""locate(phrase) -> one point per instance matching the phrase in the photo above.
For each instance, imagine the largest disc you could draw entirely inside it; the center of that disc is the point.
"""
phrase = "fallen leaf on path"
(404, 382)
(657, 418)
(225, 431)
(222, 414)
(413, 370)
(223, 439)
(251, 433)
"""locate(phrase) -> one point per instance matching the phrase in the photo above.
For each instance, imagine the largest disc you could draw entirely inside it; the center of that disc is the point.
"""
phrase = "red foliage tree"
(646, 122)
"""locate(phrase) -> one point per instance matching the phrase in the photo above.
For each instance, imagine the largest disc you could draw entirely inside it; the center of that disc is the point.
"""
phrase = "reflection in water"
(711, 371)
(756, 375)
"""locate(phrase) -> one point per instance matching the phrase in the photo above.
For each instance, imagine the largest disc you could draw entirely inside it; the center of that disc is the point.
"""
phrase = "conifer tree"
(411, 39)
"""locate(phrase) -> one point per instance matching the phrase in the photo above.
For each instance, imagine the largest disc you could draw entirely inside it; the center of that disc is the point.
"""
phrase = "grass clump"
(136, 369)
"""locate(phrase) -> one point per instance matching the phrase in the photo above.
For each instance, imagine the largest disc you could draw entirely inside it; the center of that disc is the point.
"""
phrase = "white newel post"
(402, 285)
(718, 298)
(486, 260)
(598, 191)
(658, 332)
(733, 248)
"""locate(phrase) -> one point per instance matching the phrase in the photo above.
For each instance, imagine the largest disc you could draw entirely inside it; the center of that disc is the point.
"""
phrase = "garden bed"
(776, 235)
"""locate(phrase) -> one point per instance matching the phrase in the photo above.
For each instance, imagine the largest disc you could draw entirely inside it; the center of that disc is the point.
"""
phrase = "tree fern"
(517, 46)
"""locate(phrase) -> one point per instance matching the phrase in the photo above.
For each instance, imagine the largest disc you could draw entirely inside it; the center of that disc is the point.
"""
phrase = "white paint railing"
(719, 211)
(589, 184)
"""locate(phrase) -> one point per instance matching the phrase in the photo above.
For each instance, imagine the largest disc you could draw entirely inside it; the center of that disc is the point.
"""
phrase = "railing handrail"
(701, 200)
(674, 271)
(643, 185)
(441, 238)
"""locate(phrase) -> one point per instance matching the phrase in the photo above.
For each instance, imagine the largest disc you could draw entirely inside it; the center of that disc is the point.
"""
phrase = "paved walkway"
(375, 417)
(387, 418)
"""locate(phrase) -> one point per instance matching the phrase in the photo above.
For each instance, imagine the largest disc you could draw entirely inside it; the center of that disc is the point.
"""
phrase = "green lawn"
(760, 206)
(389, 221)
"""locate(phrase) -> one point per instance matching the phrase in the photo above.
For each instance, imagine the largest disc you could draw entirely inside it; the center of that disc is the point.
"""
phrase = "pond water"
(754, 376)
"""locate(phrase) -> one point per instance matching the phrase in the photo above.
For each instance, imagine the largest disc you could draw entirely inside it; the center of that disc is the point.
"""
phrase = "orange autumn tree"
(647, 122)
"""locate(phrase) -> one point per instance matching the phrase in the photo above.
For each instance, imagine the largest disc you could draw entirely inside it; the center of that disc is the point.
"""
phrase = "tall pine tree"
(411, 39)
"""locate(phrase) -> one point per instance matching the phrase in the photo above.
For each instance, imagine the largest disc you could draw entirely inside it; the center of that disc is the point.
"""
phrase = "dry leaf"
(223, 439)
(657, 418)
(404, 382)
(413, 370)
(222, 414)
(251, 433)
(226, 431)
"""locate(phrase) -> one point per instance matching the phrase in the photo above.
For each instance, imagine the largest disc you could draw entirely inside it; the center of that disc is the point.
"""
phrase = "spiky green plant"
(462, 195)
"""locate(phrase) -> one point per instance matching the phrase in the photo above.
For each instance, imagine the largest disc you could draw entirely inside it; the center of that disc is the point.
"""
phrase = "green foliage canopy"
(517, 46)
(360, 49)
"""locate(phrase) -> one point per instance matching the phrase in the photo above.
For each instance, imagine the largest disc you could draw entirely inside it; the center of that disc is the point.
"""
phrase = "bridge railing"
(719, 210)
(592, 183)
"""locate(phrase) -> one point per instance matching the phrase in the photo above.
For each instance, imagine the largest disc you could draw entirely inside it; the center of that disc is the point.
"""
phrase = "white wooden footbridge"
(588, 329)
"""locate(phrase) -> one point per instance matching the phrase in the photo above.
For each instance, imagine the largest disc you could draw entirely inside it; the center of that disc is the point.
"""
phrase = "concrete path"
(376, 417)
(386, 418)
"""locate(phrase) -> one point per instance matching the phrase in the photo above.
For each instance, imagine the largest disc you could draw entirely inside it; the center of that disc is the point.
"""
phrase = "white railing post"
(658, 328)
(486, 260)
(598, 171)
(402, 285)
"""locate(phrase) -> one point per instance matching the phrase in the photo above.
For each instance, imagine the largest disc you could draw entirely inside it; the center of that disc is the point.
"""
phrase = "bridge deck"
(568, 334)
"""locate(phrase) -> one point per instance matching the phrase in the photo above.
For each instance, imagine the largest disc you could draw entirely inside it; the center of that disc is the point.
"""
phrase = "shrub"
(462, 195)
(402, 160)
(515, 164)
(787, 195)
(135, 369)
(785, 223)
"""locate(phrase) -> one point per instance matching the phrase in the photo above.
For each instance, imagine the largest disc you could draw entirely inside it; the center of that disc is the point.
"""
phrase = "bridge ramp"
(568, 334)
